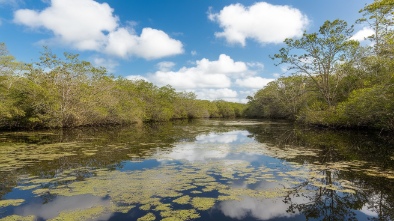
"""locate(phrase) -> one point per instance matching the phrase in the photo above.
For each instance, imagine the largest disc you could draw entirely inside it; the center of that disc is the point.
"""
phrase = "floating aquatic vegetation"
(29, 187)
(121, 208)
(90, 152)
(182, 200)
(203, 203)
(82, 215)
(145, 207)
(182, 215)
(149, 187)
(187, 180)
(18, 218)
(147, 217)
(163, 207)
(11, 202)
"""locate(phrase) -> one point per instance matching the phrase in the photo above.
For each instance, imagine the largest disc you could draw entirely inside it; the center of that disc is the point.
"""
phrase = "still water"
(199, 170)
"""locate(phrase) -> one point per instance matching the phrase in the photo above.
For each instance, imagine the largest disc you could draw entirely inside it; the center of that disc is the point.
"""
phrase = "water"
(199, 170)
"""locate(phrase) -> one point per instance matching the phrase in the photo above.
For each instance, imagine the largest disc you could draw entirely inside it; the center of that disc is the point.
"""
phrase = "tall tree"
(318, 55)
(379, 16)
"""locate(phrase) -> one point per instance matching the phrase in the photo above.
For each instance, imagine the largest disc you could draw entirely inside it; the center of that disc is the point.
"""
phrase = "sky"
(218, 49)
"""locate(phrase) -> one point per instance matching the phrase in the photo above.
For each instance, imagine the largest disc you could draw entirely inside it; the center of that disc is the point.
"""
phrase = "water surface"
(199, 170)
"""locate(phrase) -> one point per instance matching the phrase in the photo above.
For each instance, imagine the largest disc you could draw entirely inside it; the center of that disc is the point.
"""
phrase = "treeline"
(68, 92)
(335, 81)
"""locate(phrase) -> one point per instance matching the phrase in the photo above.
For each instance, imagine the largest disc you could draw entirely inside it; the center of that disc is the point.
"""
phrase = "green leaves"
(67, 92)
(317, 55)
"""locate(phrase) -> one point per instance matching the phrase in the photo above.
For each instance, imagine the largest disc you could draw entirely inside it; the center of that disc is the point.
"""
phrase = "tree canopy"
(335, 81)
(68, 92)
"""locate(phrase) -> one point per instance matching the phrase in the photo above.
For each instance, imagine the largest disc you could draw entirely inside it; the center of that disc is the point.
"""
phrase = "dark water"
(199, 170)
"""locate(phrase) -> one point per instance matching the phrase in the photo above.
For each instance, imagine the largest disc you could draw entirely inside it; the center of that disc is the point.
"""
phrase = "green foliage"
(68, 92)
(379, 17)
(282, 98)
(369, 107)
(337, 82)
(318, 55)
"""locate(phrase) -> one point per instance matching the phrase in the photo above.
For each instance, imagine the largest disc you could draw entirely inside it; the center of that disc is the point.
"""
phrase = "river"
(197, 170)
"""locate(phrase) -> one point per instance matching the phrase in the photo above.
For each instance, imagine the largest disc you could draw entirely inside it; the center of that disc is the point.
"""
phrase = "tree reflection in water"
(374, 195)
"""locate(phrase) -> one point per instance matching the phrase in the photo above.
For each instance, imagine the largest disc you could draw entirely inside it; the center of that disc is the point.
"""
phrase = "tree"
(379, 16)
(75, 86)
(10, 71)
(318, 55)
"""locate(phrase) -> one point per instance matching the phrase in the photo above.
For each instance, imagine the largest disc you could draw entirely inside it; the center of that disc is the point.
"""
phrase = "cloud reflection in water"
(61, 203)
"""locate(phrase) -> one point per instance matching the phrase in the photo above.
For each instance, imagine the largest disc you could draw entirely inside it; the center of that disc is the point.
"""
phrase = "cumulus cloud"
(225, 138)
(89, 25)
(212, 79)
(151, 44)
(262, 22)
(192, 152)
(206, 74)
(80, 23)
(109, 64)
(217, 94)
(362, 34)
(136, 78)
(261, 209)
(48, 211)
(165, 65)
(253, 82)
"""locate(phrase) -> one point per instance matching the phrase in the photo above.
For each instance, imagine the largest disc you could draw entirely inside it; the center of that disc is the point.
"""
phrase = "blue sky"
(218, 49)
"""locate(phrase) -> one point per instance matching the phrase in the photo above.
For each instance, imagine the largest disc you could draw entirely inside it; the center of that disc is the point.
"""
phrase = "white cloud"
(193, 53)
(225, 65)
(217, 94)
(136, 78)
(262, 209)
(212, 79)
(89, 25)
(109, 64)
(165, 65)
(253, 82)
(225, 138)
(51, 210)
(362, 34)
(206, 74)
(193, 152)
(367, 210)
(256, 65)
(191, 79)
(68, 19)
(151, 44)
(262, 22)
(155, 44)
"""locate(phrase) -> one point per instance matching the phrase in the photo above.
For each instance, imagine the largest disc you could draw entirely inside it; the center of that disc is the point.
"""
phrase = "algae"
(18, 218)
(147, 217)
(11, 202)
(80, 215)
(182, 200)
(203, 203)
